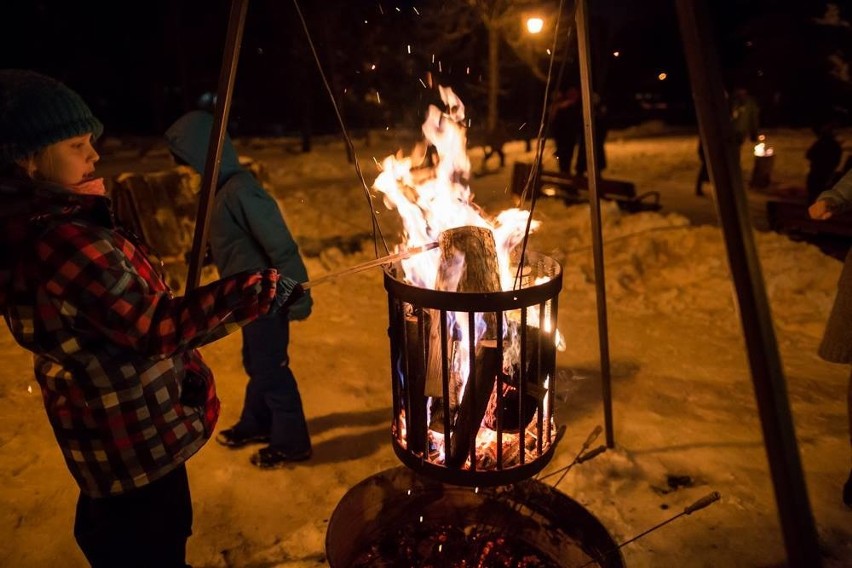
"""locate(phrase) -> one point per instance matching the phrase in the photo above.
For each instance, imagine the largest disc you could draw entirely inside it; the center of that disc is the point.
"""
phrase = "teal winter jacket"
(247, 230)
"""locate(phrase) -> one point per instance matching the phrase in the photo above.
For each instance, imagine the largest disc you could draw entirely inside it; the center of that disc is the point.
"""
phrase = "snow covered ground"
(682, 393)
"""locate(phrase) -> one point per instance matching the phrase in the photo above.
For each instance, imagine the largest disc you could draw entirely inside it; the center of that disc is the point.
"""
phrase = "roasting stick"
(705, 501)
(369, 264)
(582, 456)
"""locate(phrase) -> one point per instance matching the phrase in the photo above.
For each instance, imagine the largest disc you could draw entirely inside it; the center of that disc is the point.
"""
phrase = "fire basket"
(473, 375)
(400, 518)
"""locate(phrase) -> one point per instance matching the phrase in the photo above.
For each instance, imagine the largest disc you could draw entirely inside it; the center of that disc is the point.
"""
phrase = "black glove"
(287, 292)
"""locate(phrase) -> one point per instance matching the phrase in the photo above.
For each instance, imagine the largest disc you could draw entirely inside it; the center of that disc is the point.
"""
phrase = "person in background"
(836, 345)
(745, 116)
(248, 232)
(824, 156)
(127, 394)
(566, 118)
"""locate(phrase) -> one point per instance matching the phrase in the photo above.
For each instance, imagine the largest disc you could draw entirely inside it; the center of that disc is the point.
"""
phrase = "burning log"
(523, 390)
(468, 264)
(415, 374)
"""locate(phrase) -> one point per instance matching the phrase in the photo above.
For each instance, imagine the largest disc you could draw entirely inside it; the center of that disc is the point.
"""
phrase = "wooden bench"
(575, 189)
(792, 217)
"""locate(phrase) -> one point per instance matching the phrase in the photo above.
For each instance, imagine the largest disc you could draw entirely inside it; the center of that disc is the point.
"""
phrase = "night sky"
(142, 64)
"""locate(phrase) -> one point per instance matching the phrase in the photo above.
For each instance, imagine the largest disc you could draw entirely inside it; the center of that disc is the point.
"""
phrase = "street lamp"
(535, 24)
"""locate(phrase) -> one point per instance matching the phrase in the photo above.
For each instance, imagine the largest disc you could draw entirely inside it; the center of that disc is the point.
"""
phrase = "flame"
(444, 200)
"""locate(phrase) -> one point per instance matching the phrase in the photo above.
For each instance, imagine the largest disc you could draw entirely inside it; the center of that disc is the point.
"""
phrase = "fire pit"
(400, 518)
(472, 377)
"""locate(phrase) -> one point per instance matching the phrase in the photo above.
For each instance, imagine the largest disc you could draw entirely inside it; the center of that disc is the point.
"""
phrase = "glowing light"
(373, 67)
(616, 53)
(409, 48)
(662, 76)
(762, 148)
(535, 25)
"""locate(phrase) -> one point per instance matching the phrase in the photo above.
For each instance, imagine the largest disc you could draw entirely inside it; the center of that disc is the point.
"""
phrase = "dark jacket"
(247, 229)
(112, 345)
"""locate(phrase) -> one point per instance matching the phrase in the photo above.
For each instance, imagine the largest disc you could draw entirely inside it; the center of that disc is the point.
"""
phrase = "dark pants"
(272, 402)
(145, 528)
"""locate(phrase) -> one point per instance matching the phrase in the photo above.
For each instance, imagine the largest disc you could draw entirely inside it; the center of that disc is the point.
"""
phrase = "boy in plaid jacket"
(114, 350)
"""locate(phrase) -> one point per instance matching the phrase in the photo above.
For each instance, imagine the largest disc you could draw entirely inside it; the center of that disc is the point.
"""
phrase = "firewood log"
(415, 376)
(469, 264)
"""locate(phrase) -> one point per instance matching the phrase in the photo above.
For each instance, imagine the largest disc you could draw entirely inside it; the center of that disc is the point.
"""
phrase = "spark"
(433, 58)
(373, 67)
(378, 98)
(415, 10)
(521, 127)
(381, 10)
(30, 389)
(439, 67)
(548, 51)
(409, 48)
(467, 70)
(616, 53)
(422, 83)
(397, 9)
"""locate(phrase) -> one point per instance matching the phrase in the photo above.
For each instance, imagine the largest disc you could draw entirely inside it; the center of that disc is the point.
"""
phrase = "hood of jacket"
(188, 139)
(28, 207)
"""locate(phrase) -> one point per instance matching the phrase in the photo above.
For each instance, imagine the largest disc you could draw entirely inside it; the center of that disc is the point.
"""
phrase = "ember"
(400, 518)
(427, 545)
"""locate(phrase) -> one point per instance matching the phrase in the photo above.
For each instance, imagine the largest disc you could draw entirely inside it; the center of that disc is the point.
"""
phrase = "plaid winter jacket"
(112, 345)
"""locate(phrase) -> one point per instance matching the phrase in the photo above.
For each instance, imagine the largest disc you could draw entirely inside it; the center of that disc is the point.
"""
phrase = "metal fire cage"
(514, 402)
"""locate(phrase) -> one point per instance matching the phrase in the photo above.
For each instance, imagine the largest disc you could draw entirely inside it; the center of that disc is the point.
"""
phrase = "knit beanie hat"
(36, 111)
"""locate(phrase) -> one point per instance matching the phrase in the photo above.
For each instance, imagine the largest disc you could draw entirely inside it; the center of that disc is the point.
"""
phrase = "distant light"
(535, 25)
(662, 76)
(616, 53)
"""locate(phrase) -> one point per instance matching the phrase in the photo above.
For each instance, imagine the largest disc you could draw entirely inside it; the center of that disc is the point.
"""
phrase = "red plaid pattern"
(113, 345)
